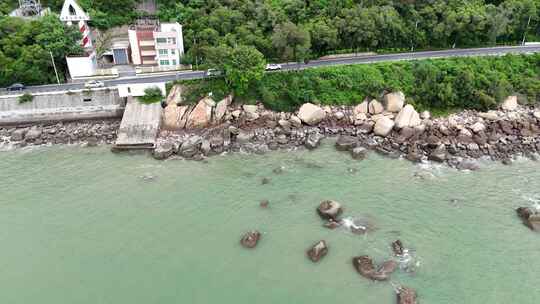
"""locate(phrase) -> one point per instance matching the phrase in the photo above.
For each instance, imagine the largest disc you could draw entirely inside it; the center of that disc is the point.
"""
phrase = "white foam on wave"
(408, 261)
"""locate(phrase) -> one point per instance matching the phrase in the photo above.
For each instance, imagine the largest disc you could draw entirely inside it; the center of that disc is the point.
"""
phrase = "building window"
(161, 40)
(164, 62)
(72, 10)
(171, 40)
(174, 62)
(163, 52)
(173, 52)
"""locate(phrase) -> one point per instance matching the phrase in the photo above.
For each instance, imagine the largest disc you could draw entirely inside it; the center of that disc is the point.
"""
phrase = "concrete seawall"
(62, 106)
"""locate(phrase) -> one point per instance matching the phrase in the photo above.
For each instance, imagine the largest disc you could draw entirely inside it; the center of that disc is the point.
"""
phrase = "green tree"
(291, 41)
(242, 66)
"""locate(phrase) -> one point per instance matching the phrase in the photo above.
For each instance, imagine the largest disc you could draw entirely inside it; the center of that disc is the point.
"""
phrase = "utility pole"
(54, 66)
(526, 29)
(196, 54)
(415, 34)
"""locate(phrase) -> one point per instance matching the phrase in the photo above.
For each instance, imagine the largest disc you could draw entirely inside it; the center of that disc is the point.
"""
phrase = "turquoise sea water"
(83, 225)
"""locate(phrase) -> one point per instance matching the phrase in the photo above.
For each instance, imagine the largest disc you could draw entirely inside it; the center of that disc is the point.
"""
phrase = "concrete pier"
(140, 125)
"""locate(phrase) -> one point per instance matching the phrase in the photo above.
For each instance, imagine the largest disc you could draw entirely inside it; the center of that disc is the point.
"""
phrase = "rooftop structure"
(155, 43)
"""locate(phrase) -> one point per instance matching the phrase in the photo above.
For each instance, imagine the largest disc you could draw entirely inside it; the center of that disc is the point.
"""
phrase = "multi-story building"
(155, 43)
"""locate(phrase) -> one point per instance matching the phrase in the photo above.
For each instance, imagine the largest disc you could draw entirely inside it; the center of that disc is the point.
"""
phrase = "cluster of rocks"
(90, 133)
(389, 126)
(330, 211)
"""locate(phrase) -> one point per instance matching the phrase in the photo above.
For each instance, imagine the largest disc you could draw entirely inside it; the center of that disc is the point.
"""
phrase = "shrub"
(26, 98)
(151, 95)
(439, 85)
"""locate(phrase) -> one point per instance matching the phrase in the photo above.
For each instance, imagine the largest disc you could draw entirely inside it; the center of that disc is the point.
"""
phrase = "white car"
(212, 73)
(273, 67)
(94, 84)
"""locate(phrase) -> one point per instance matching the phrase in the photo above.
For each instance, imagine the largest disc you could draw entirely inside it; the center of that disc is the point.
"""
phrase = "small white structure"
(153, 43)
(137, 89)
(82, 66)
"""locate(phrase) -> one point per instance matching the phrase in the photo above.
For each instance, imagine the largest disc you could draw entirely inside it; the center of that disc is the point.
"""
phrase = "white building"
(154, 43)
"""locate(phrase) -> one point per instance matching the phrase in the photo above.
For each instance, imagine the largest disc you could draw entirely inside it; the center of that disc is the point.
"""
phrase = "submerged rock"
(359, 153)
(313, 140)
(265, 181)
(406, 295)
(530, 217)
(250, 239)
(264, 203)
(397, 247)
(365, 266)
(331, 224)
(317, 251)
(329, 210)
(346, 143)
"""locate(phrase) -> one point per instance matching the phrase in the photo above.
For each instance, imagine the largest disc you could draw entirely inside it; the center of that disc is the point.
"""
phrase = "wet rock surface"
(250, 239)
(389, 126)
(530, 217)
(316, 252)
(329, 210)
(406, 295)
(91, 133)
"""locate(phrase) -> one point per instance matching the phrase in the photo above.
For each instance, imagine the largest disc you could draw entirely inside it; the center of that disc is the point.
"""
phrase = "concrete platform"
(140, 126)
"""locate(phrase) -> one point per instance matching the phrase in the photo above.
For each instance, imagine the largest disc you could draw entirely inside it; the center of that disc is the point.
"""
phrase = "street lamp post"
(54, 66)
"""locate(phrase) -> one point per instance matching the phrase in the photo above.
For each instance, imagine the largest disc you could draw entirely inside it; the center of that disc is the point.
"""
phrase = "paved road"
(311, 64)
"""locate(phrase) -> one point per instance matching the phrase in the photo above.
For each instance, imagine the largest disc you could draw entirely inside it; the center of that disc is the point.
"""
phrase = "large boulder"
(174, 116)
(510, 103)
(311, 114)
(530, 217)
(406, 295)
(375, 107)
(394, 102)
(439, 154)
(250, 239)
(175, 95)
(316, 252)
(362, 108)
(383, 126)
(407, 117)
(201, 115)
(251, 112)
(190, 147)
(18, 135)
(163, 150)
(329, 210)
(33, 134)
(221, 108)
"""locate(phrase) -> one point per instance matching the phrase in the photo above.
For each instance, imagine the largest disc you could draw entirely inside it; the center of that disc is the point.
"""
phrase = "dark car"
(16, 87)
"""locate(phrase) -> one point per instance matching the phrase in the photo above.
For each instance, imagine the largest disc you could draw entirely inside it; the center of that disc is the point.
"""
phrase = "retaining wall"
(62, 106)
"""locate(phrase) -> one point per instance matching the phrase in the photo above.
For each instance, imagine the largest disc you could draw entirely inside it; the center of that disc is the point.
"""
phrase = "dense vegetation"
(295, 29)
(298, 29)
(439, 84)
(25, 48)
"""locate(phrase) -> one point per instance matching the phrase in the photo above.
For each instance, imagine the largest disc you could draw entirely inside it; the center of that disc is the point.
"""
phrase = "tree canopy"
(25, 47)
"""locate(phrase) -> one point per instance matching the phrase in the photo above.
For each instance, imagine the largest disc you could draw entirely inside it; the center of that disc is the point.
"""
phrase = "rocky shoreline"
(89, 133)
(390, 127)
